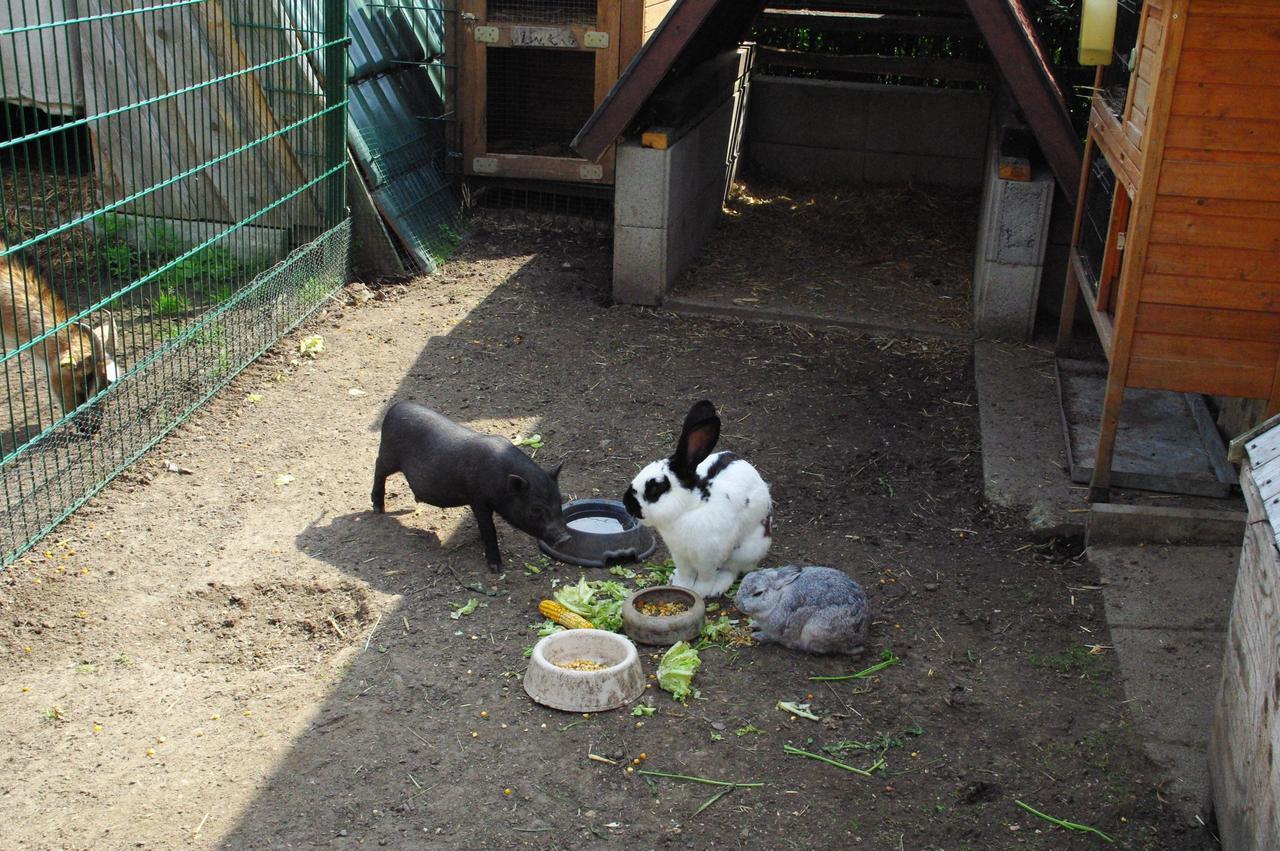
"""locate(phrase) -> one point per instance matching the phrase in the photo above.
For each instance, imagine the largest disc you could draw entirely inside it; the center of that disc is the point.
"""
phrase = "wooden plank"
(674, 37)
(1209, 323)
(1264, 451)
(1194, 350)
(1211, 293)
(606, 72)
(1129, 288)
(1244, 34)
(277, 169)
(630, 29)
(1247, 381)
(472, 84)
(1012, 39)
(1228, 207)
(1112, 256)
(1221, 180)
(1225, 101)
(1236, 450)
(1244, 735)
(1239, 8)
(919, 67)
(1116, 146)
(134, 149)
(881, 6)
(1216, 134)
(857, 22)
(1249, 159)
(1201, 261)
(532, 167)
(1222, 68)
(1141, 90)
(1194, 228)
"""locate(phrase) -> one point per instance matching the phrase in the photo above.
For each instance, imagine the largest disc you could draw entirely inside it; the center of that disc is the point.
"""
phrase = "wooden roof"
(695, 30)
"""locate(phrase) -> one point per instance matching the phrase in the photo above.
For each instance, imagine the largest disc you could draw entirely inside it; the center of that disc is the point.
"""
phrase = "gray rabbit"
(814, 609)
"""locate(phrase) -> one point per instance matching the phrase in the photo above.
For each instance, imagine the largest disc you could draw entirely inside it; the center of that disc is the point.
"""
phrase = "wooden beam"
(919, 67)
(648, 68)
(1011, 37)
(860, 22)
(898, 7)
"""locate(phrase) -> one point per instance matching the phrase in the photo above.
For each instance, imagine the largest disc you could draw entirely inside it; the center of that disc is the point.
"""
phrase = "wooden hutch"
(533, 71)
(1176, 246)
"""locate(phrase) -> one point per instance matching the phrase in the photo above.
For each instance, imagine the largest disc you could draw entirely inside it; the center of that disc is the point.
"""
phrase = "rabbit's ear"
(697, 438)
(787, 575)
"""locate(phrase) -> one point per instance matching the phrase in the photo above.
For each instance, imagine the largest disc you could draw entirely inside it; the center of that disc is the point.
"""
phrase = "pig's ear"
(517, 484)
(554, 472)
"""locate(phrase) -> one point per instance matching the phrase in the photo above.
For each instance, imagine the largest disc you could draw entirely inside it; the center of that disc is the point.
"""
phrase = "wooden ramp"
(185, 102)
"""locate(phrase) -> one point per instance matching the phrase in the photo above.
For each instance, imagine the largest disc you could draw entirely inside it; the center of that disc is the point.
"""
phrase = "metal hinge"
(594, 38)
(591, 171)
(484, 165)
(487, 35)
(1121, 238)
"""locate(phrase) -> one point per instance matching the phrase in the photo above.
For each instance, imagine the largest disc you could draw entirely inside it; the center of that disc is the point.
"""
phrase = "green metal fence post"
(335, 93)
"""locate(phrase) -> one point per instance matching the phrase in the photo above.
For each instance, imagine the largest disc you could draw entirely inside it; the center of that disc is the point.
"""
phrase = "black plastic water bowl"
(602, 533)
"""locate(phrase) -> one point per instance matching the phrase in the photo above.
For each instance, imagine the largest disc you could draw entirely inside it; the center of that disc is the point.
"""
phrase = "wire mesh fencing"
(173, 190)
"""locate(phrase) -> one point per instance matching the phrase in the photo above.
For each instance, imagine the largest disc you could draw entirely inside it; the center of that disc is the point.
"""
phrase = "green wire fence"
(172, 179)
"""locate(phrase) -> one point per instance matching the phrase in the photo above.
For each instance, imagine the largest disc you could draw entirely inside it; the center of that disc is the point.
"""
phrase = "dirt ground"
(227, 649)
(893, 256)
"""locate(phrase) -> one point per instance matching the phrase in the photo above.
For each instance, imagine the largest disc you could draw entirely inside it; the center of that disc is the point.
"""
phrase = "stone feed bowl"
(584, 691)
(663, 629)
(601, 533)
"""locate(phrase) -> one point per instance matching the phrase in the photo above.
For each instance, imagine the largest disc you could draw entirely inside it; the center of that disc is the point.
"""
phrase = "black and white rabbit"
(712, 511)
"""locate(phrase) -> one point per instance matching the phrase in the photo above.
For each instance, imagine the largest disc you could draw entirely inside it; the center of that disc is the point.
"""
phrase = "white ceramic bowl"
(584, 691)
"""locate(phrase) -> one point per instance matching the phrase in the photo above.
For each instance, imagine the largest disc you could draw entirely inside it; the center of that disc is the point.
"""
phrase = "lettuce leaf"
(676, 670)
(599, 602)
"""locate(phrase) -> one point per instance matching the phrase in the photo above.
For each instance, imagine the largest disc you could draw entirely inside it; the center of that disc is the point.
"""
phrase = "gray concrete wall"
(666, 202)
(821, 131)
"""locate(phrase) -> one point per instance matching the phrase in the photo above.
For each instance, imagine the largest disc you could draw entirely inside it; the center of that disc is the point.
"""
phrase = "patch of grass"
(170, 303)
(1078, 663)
(86, 668)
(123, 660)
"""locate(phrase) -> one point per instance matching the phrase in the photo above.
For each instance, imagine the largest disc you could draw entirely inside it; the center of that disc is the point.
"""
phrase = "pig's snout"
(559, 536)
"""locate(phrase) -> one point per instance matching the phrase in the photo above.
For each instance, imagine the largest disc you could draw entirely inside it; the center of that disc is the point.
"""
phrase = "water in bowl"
(596, 525)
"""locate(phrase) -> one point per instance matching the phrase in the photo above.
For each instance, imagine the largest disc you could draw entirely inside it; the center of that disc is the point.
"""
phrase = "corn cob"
(557, 612)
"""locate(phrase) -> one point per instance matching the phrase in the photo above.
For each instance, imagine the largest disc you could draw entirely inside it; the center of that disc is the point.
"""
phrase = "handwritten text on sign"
(542, 37)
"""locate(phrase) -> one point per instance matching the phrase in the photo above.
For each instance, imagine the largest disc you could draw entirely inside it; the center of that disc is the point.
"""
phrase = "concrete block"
(1005, 297)
(640, 186)
(808, 113)
(1111, 524)
(805, 165)
(1171, 587)
(929, 122)
(639, 264)
(1012, 237)
(881, 167)
(1020, 228)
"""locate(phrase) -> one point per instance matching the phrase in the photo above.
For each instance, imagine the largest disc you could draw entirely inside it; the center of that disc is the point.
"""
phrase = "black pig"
(448, 465)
